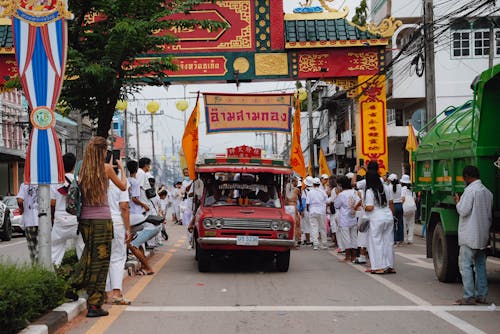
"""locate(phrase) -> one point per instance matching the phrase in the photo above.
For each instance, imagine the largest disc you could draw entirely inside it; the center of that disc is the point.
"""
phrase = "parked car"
(5, 222)
(16, 217)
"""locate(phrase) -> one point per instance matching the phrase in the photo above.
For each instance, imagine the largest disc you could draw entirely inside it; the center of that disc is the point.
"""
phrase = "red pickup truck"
(242, 209)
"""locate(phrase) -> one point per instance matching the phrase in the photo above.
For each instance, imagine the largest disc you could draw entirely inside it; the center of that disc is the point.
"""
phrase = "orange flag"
(190, 140)
(411, 146)
(310, 168)
(323, 165)
(296, 156)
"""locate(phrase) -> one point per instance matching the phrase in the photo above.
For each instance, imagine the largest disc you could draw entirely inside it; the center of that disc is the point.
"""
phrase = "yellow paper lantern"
(301, 94)
(182, 105)
(153, 107)
(121, 105)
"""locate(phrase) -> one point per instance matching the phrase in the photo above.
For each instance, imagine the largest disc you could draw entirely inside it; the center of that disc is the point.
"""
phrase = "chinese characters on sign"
(255, 112)
(373, 128)
(244, 152)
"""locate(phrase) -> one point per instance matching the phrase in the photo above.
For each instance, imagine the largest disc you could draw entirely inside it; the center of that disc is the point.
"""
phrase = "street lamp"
(182, 106)
(152, 107)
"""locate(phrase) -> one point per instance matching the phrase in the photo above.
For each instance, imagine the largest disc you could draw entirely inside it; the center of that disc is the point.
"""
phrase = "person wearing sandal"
(475, 218)
(119, 206)
(379, 208)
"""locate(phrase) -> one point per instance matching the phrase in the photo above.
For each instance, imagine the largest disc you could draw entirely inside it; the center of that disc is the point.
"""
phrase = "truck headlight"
(207, 223)
(286, 226)
(275, 225)
(219, 223)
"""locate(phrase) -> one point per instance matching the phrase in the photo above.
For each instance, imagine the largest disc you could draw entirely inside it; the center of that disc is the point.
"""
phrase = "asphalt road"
(14, 250)
(318, 295)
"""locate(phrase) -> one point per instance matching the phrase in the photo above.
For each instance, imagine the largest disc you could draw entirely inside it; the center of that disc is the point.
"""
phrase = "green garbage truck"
(466, 135)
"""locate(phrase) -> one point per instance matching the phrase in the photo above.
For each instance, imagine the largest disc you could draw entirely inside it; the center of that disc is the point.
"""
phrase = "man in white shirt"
(316, 205)
(475, 210)
(137, 207)
(142, 179)
(64, 225)
(27, 200)
(118, 202)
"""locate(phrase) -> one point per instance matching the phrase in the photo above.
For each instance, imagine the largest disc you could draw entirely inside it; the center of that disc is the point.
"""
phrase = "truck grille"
(245, 224)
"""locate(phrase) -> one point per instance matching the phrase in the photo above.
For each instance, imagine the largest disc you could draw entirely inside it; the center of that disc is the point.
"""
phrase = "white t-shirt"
(134, 191)
(344, 203)
(60, 209)
(115, 197)
(29, 194)
(396, 196)
(143, 182)
(316, 198)
(370, 197)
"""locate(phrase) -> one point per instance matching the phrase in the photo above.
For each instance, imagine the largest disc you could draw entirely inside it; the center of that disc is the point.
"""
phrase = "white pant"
(65, 228)
(305, 223)
(117, 259)
(348, 236)
(409, 226)
(318, 226)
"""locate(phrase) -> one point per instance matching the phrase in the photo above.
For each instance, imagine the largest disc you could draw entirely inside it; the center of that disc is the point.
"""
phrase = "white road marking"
(306, 308)
(449, 318)
(13, 244)
(417, 260)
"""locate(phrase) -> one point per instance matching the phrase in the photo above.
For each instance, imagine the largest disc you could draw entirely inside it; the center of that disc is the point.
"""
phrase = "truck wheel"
(6, 234)
(203, 257)
(444, 255)
(283, 261)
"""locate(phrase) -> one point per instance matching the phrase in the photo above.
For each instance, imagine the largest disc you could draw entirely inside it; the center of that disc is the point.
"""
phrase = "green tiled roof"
(6, 39)
(324, 30)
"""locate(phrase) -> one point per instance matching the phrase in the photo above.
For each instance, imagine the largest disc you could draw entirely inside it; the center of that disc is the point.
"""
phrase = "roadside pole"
(311, 130)
(430, 79)
(44, 227)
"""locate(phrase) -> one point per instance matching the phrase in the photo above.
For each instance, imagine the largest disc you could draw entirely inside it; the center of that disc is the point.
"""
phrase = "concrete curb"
(53, 320)
(58, 317)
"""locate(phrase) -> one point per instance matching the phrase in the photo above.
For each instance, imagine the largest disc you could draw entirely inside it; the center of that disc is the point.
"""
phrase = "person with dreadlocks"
(95, 224)
(379, 207)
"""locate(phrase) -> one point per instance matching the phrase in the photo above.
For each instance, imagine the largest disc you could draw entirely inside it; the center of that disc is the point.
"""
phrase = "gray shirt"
(475, 210)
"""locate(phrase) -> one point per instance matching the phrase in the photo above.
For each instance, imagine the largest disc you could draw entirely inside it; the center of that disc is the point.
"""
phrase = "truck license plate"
(247, 240)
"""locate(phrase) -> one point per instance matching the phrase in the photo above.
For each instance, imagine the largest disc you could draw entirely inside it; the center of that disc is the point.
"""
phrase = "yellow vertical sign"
(371, 143)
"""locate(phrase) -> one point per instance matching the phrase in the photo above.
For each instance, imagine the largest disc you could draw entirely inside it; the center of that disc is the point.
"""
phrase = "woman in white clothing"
(398, 209)
(409, 209)
(346, 204)
(379, 208)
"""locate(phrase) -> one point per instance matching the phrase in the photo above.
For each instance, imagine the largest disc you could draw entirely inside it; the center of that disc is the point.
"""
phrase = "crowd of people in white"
(366, 217)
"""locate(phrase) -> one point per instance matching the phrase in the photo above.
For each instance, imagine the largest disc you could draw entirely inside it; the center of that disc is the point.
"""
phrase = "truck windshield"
(242, 190)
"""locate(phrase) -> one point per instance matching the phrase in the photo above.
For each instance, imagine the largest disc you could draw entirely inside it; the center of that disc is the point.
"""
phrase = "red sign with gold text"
(244, 152)
(239, 36)
(194, 66)
(8, 68)
(345, 62)
(373, 124)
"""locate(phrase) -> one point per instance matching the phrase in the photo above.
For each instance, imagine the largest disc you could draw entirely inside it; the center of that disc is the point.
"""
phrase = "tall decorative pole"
(40, 39)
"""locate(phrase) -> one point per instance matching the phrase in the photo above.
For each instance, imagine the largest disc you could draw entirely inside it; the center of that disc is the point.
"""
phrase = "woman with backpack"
(95, 223)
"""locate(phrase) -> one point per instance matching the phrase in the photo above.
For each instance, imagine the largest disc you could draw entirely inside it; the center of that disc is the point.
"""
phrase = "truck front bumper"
(232, 241)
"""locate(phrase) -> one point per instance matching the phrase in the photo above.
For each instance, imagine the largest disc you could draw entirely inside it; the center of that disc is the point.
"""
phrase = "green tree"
(103, 40)
(361, 14)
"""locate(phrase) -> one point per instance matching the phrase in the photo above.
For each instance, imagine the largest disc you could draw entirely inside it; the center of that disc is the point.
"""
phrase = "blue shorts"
(144, 235)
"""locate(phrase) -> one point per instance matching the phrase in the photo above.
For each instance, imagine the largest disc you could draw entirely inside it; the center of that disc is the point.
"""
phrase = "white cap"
(316, 180)
(309, 181)
(393, 177)
(299, 183)
(405, 179)
(324, 176)
(349, 175)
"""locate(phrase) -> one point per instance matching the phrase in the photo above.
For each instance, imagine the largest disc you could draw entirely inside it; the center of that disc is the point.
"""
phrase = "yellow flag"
(190, 140)
(310, 168)
(411, 146)
(323, 165)
(296, 156)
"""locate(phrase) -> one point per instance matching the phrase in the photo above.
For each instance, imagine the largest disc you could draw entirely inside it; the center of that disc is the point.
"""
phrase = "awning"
(243, 169)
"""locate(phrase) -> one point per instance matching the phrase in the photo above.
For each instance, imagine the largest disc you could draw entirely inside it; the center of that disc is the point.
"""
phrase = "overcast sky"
(172, 122)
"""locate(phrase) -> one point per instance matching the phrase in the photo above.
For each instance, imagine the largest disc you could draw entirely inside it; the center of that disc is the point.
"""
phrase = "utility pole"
(492, 45)
(311, 130)
(137, 133)
(125, 132)
(430, 79)
(153, 145)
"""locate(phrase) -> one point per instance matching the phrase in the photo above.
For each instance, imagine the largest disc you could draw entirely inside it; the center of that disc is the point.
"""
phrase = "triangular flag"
(190, 140)
(323, 165)
(411, 146)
